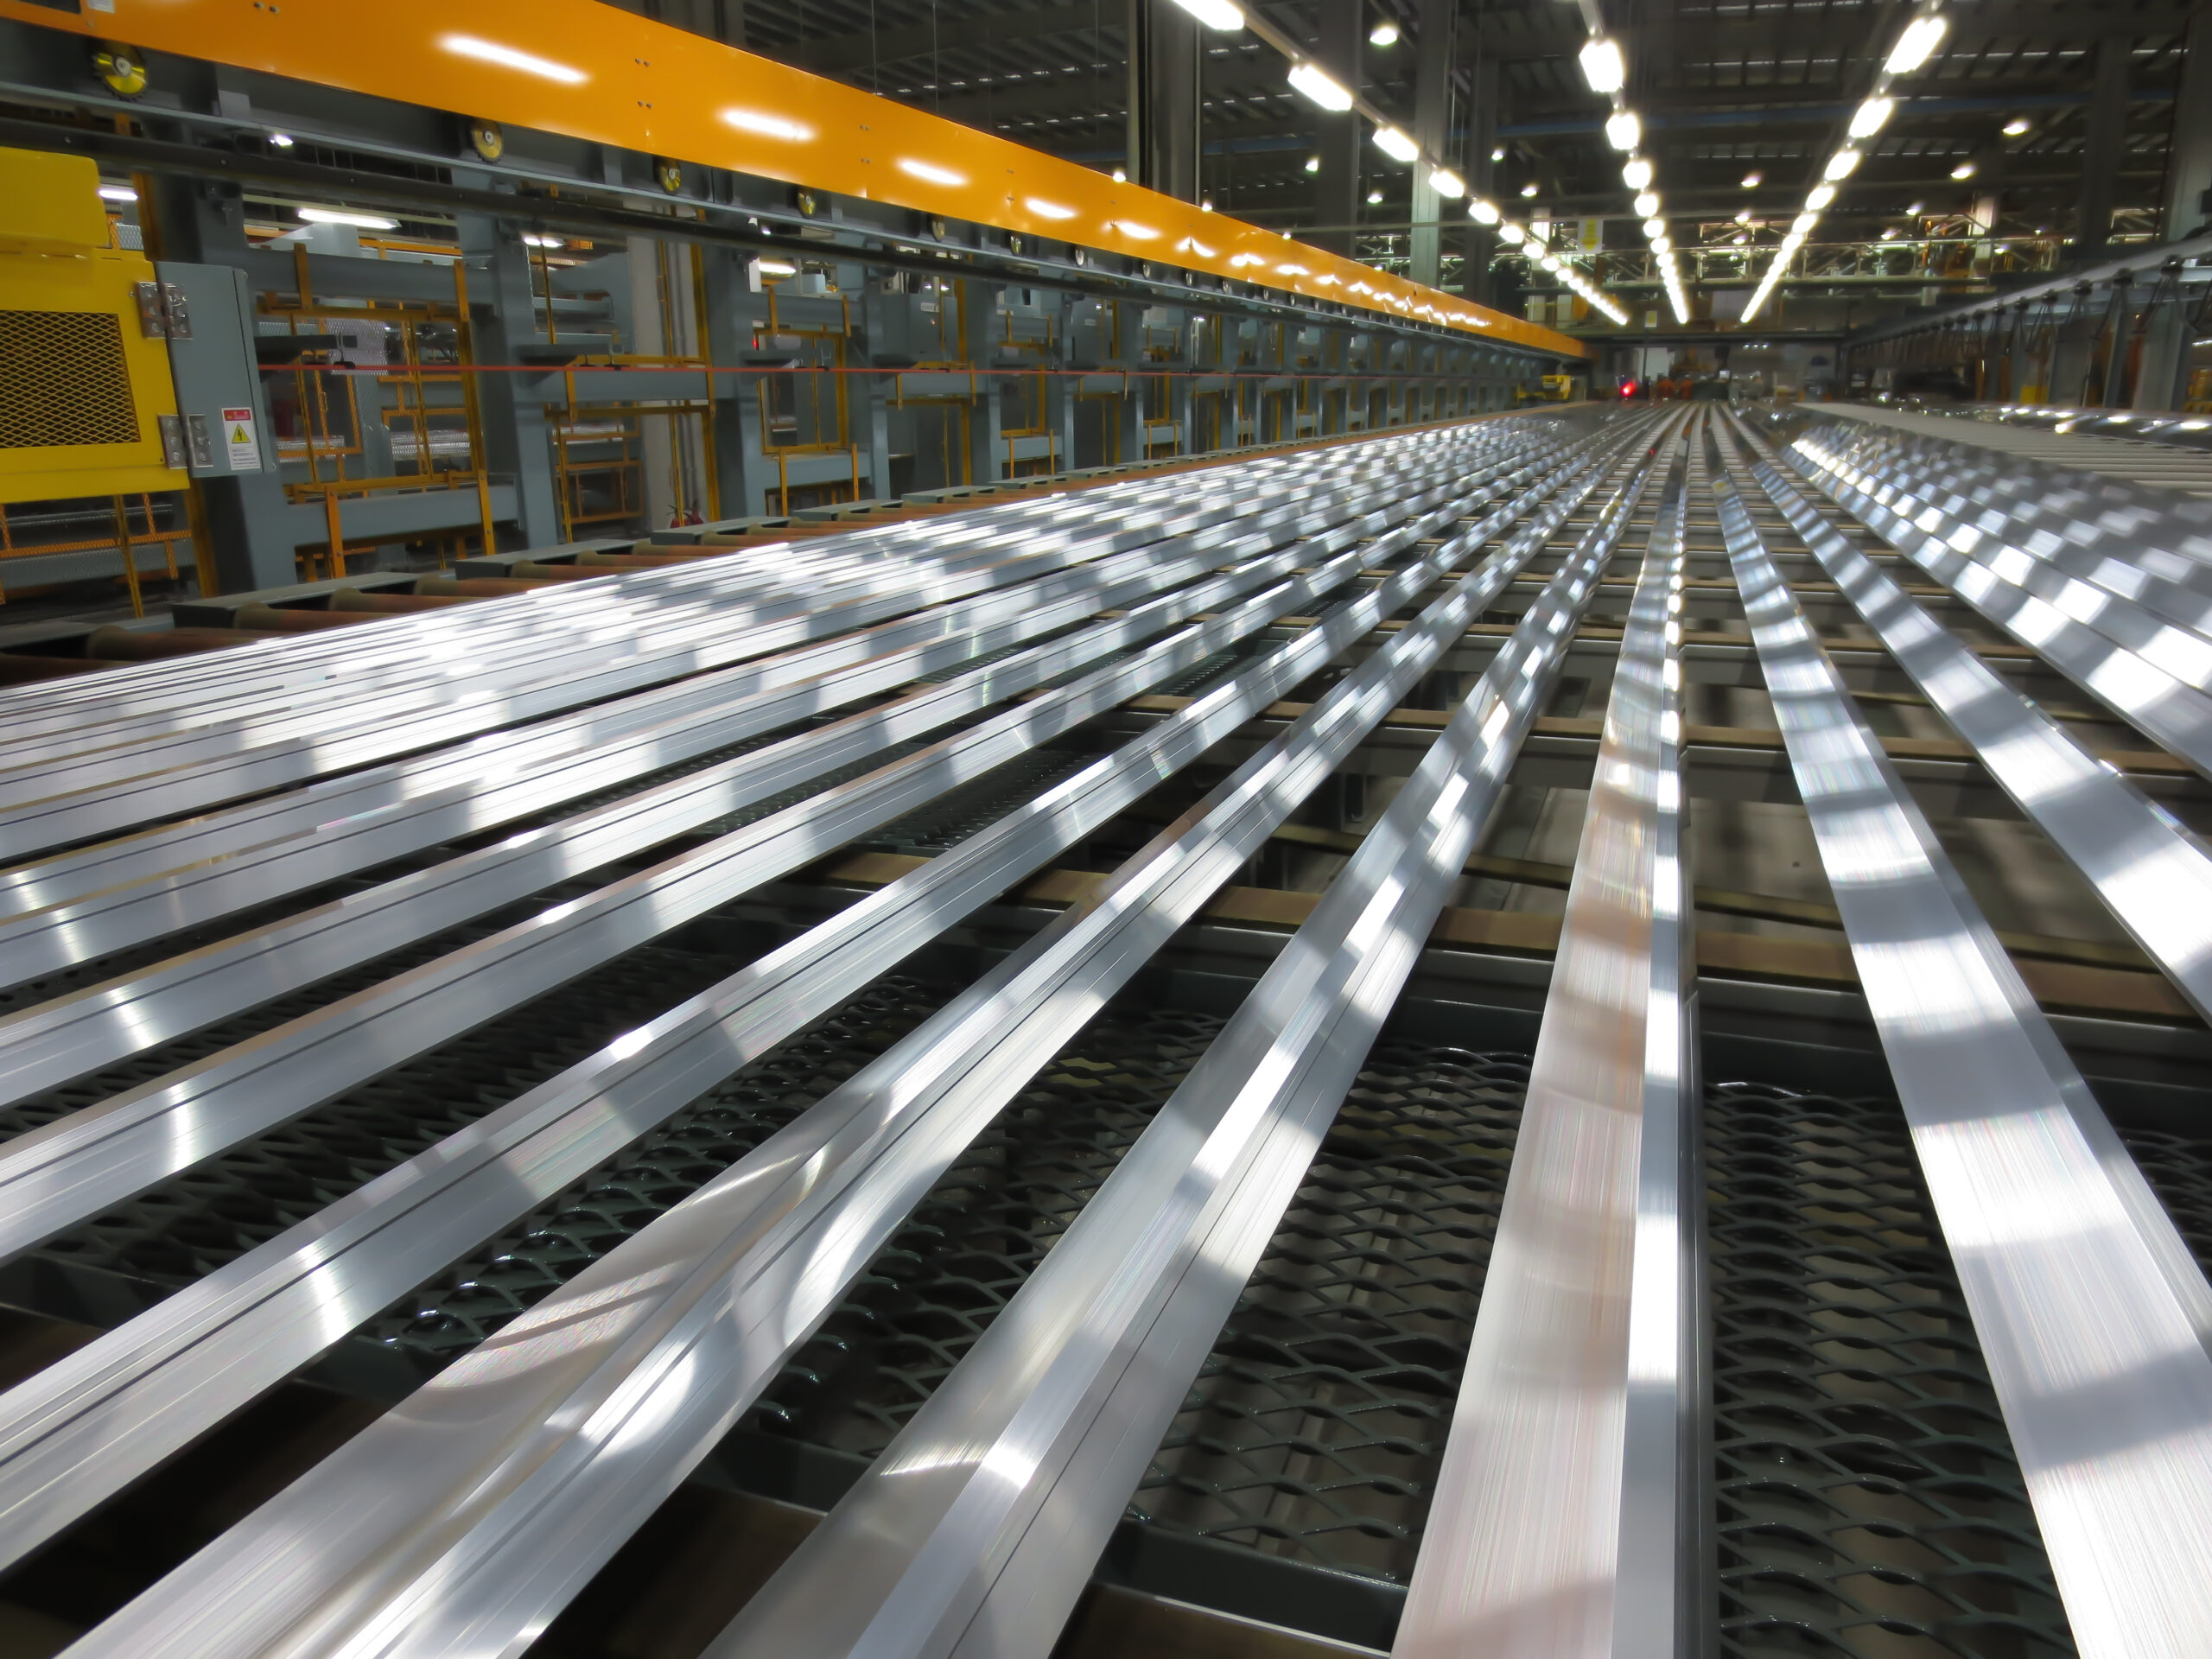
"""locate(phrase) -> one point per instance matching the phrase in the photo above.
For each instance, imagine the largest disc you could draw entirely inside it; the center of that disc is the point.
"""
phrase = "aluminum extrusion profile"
(2151, 673)
(188, 1360)
(2092, 1315)
(1566, 1521)
(53, 1041)
(2150, 871)
(119, 893)
(974, 1531)
(531, 1444)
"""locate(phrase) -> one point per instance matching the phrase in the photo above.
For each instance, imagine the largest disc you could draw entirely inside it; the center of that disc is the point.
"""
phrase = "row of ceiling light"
(1921, 39)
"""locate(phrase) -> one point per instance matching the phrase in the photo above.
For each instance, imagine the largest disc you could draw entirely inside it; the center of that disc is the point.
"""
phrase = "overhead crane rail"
(250, 886)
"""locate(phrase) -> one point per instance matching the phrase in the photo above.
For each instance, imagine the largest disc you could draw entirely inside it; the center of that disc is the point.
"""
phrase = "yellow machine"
(1557, 388)
(85, 379)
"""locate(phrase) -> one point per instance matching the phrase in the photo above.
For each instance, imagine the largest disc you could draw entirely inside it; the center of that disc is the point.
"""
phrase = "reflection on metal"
(2154, 874)
(974, 1532)
(2149, 671)
(1569, 1515)
(244, 1327)
(526, 1460)
(2090, 1311)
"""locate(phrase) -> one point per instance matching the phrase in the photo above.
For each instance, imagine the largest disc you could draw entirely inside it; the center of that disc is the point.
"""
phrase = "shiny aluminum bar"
(110, 789)
(1566, 1517)
(53, 1041)
(2091, 1316)
(2154, 875)
(119, 893)
(2151, 673)
(517, 1483)
(180, 1367)
(976, 1530)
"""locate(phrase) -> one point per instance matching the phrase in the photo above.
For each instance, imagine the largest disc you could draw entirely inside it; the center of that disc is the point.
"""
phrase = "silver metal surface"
(977, 1528)
(461, 1521)
(2152, 673)
(1565, 1520)
(208, 1348)
(2091, 1315)
(2155, 876)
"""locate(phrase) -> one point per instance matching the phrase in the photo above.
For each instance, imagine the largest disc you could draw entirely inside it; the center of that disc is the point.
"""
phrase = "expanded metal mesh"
(2179, 1169)
(1869, 1503)
(63, 380)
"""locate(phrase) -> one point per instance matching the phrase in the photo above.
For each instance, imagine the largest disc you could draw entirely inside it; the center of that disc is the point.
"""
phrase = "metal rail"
(2091, 1316)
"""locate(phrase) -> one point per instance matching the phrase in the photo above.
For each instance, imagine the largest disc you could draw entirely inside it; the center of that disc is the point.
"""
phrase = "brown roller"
(20, 668)
(120, 644)
(530, 570)
(638, 561)
(274, 619)
(476, 586)
(389, 604)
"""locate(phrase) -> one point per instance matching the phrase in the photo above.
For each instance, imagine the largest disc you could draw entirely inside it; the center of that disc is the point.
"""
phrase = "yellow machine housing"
(83, 384)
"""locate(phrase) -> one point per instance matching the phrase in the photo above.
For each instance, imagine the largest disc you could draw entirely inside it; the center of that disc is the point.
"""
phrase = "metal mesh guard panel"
(1869, 1503)
(63, 380)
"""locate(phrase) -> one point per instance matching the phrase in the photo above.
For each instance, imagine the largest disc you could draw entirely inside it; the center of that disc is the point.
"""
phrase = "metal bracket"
(163, 312)
(172, 430)
(203, 443)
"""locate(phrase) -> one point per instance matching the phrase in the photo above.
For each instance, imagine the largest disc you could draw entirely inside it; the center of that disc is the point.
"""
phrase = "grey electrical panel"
(224, 418)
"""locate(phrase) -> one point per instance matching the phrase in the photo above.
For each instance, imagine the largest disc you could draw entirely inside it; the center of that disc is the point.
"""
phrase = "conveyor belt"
(788, 1021)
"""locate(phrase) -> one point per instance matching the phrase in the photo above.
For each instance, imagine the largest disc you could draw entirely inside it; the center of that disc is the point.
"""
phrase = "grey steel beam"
(2091, 1316)
(2149, 672)
(85, 904)
(975, 1529)
(2154, 875)
(177, 1368)
(1568, 1517)
(539, 1470)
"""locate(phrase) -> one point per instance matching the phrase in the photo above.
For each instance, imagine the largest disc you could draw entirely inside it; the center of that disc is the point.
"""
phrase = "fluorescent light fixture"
(1497, 153)
(1655, 227)
(334, 216)
(1914, 206)
(1513, 233)
(1647, 203)
(117, 193)
(1843, 163)
(2015, 126)
(282, 140)
(534, 241)
(1383, 34)
(1312, 163)
(1751, 181)
(762, 124)
(1447, 183)
(1803, 224)
(1393, 142)
(1745, 216)
(1871, 117)
(1890, 235)
(1045, 209)
(1603, 67)
(1374, 196)
(1820, 196)
(1963, 170)
(776, 267)
(1121, 174)
(1206, 205)
(1916, 45)
(1308, 78)
(1527, 193)
(1662, 245)
(1215, 14)
(1636, 174)
(1623, 129)
(930, 172)
(1483, 212)
(467, 46)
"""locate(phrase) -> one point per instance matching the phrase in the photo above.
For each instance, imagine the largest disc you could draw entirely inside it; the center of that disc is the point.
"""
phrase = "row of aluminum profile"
(1571, 1515)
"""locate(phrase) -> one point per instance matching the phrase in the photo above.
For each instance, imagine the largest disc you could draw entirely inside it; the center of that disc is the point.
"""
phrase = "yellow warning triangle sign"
(238, 435)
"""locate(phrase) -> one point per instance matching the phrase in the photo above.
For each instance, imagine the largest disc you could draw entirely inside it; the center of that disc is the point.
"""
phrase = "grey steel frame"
(2091, 1316)
(219, 1342)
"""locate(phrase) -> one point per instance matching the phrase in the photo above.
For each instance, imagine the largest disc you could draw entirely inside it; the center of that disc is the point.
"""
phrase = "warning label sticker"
(239, 439)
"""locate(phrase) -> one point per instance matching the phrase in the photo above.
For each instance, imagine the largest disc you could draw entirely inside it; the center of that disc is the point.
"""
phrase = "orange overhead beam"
(591, 72)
